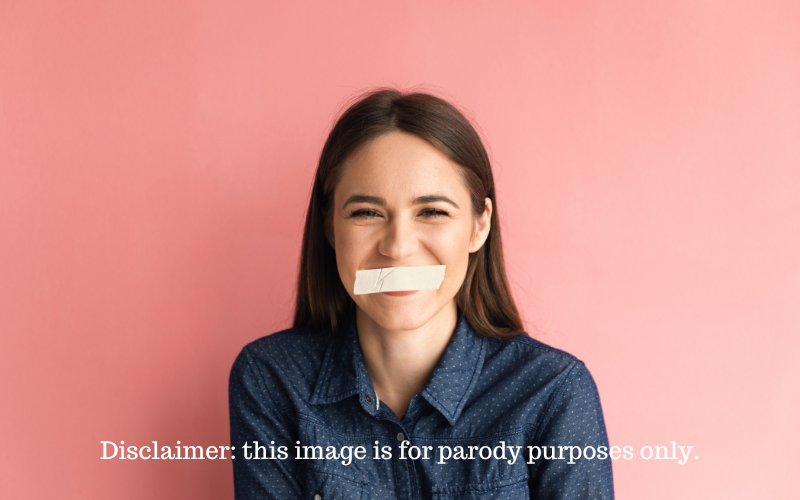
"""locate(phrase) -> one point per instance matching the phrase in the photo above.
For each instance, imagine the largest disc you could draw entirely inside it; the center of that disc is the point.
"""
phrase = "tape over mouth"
(398, 279)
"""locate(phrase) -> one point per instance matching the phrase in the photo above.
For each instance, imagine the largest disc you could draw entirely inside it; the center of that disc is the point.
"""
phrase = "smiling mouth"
(400, 294)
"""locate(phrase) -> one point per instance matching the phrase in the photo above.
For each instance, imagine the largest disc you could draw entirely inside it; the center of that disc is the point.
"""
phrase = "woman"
(419, 393)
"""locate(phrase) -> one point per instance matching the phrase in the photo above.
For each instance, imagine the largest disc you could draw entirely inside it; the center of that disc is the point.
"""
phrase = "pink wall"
(156, 158)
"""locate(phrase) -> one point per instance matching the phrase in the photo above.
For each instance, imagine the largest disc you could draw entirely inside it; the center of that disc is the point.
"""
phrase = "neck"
(400, 362)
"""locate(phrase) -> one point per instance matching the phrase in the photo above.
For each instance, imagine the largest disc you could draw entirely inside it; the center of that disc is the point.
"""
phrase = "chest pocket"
(327, 485)
(506, 489)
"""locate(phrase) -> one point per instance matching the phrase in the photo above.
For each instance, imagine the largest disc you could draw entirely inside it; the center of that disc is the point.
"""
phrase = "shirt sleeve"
(573, 419)
(256, 418)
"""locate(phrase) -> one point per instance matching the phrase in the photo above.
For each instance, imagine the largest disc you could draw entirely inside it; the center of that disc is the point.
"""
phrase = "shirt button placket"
(404, 475)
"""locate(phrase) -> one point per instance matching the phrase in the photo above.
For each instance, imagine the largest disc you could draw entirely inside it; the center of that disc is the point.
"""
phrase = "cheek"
(451, 247)
(353, 246)
(353, 241)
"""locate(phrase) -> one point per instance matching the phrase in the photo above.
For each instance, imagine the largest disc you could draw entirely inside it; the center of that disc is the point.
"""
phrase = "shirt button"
(317, 497)
(368, 399)
(401, 437)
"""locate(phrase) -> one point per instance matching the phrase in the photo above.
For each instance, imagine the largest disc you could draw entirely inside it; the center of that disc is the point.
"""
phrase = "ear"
(483, 224)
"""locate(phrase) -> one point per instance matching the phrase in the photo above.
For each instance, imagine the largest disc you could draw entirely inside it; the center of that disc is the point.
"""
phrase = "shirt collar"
(344, 373)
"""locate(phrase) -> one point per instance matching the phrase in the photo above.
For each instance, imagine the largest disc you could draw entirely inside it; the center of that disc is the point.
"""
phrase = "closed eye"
(365, 213)
(433, 213)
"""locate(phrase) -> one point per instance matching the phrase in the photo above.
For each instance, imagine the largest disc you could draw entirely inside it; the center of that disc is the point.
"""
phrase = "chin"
(393, 314)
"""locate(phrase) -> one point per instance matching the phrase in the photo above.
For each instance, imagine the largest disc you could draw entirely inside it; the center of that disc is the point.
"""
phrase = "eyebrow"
(419, 200)
(432, 198)
(363, 198)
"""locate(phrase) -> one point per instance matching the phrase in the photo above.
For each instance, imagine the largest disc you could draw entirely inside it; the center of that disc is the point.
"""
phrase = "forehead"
(402, 164)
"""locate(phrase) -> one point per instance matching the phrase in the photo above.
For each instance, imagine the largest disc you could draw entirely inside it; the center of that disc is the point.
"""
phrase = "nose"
(399, 240)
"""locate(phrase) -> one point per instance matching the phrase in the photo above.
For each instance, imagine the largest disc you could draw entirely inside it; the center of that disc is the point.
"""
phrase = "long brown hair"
(485, 297)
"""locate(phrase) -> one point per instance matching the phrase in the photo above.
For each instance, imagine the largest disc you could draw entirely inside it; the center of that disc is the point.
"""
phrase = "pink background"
(155, 163)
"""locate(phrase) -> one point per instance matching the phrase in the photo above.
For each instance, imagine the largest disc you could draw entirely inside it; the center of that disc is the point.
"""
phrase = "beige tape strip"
(398, 279)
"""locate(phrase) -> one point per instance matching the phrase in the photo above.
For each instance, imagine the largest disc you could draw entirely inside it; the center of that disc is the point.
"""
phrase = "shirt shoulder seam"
(259, 377)
(527, 342)
(548, 409)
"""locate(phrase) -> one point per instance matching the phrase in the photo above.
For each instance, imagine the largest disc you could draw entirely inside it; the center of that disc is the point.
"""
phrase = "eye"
(365, 213)
(433, 213)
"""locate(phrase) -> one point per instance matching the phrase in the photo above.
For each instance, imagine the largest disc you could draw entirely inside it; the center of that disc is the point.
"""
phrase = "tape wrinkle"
(385, 272)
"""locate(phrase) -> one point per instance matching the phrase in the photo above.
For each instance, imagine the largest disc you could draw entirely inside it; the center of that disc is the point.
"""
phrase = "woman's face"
(402, 202)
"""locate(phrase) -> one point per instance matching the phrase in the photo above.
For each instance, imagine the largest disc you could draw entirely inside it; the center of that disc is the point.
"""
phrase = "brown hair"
(485, 297)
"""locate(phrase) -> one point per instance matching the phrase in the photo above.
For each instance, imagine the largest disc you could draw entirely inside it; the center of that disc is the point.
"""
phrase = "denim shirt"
(489, 397)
